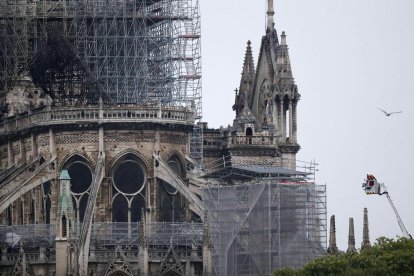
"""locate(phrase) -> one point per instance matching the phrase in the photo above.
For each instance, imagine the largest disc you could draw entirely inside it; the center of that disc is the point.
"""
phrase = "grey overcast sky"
(348, 58)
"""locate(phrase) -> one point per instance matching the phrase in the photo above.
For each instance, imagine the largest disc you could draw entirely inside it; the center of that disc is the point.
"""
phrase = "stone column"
(52, 146)
(34, 146)
(10, 154)
(157, 142)
(143, 246)
(22, 212)
(153, 183)
(332, 249)
(351, 237)
(282, 121)
(101, 140)
(15, 212)
(38, 204)
(295, 122)
(33, 205)
(365, 233)
(291, 139)
(27, 204)
(275, 115)
(22, 151)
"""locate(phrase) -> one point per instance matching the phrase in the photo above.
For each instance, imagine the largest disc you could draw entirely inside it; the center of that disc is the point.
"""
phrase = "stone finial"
(270, 12)
(64, 175)
(332, 249)
(283, 38)
(365, 234)
(351, 237)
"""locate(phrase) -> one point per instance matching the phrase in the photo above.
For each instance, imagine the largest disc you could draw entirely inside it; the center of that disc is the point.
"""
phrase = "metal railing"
(35, 234)
(305, 167)
(187, 239)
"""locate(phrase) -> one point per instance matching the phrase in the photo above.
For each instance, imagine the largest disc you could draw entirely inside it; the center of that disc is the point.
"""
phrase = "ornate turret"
(365, 234)
(351, 237)
(65, 226)
(65, 212)
(246, 83)
(244, 117)
(283, 68)
(332, 249)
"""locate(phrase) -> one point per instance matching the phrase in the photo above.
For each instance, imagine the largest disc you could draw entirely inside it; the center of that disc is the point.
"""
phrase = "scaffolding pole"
(140, 51)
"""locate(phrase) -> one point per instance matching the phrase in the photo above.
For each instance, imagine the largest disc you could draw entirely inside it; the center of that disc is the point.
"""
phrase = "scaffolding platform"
(77, 52)
(264, 225)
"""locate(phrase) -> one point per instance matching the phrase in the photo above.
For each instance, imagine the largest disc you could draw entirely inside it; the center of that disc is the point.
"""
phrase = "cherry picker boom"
(372, 186)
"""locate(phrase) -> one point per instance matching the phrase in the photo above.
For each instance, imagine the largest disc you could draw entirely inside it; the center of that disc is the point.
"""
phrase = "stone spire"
(270, 13)
(332, 249)
(365, 234)
(247, 80)
(65, 227)
(283, 67)
(351, 237)
(65, 212)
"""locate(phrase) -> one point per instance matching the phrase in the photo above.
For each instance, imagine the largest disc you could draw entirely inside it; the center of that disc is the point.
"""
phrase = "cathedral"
(106, 167)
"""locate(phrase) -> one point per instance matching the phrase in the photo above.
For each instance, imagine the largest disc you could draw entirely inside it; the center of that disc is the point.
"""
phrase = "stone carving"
(174, 139)
(119, 263)
(129, 137)
(76, 139)
(43, 140)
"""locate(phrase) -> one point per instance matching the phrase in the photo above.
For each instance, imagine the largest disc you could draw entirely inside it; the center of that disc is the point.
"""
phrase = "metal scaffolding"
(263, 225)
(124, 51)
(185, 238)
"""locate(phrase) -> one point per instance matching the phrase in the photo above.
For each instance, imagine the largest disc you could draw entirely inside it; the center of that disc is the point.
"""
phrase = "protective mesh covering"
(258, 227)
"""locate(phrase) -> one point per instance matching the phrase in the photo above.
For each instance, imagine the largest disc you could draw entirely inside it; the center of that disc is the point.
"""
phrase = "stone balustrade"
(253, 140)
(129, 113)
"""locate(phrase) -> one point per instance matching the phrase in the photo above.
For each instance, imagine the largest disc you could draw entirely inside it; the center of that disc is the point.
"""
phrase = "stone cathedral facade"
(112, 188)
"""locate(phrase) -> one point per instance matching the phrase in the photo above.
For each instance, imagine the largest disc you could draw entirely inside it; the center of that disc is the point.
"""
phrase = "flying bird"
(389, 113)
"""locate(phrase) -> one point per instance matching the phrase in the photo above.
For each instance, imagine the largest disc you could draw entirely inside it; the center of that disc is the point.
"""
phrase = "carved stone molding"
(43, 140)
(76, 138)
(129, 137)
(174, 139)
